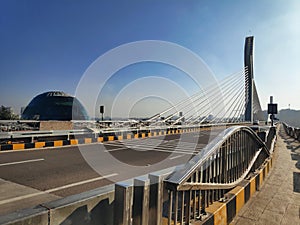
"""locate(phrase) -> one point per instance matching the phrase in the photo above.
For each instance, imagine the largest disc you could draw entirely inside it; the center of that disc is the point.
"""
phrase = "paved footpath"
(278, 201)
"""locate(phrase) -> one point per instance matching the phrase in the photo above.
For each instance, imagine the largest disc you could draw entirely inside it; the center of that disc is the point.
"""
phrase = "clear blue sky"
(48, 45)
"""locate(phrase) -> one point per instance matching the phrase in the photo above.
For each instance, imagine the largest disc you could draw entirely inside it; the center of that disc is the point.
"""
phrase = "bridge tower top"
(248, 63)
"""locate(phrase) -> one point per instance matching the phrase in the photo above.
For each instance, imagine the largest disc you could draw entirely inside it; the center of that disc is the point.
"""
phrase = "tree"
(6, 113)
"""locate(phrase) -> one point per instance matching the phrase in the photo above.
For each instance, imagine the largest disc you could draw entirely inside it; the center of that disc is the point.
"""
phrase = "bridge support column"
(248, 63)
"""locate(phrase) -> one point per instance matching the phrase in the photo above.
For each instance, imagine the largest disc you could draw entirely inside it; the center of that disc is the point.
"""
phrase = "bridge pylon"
(248, 63)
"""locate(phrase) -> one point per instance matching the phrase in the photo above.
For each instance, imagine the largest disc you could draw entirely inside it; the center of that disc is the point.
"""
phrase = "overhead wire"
(194, 107)
(217, 100)
(194, 98)
(198, 107)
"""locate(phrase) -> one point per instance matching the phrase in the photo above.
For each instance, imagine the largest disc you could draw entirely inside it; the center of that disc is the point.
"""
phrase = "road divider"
(112, 136)
(99, 137)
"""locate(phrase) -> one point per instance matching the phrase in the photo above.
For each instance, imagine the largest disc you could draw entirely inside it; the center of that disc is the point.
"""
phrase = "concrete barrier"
(90, 208)
(56, 125)
(80, 140)
(37, 215)
(292, 131)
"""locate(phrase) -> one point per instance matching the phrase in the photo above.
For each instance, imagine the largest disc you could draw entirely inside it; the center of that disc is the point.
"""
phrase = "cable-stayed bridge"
(231, 100)
(196, 162)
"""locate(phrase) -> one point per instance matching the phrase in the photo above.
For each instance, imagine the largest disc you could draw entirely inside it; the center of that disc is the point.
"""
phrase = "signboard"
(272, 108)
(101, 108)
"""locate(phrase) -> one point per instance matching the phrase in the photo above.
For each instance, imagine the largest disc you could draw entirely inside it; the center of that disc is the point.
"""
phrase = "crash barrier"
(210, 189)
(41, 139)
(294, 132)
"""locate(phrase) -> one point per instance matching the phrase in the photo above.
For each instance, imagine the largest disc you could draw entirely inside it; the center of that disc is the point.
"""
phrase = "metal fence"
(221, 166)
(182, 196)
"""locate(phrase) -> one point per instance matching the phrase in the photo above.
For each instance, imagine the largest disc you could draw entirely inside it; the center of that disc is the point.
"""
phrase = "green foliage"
(7, 114)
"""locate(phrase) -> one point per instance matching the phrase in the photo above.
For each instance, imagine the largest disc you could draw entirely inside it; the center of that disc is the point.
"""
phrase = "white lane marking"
(155, 150)
(80, 183)
(181, 146)
(55, 189)
(20, 162)
(152, 144)
(200, 135)
(175, 157)
(20, 198)
(116, 149)
(167, 148)
(183, 149)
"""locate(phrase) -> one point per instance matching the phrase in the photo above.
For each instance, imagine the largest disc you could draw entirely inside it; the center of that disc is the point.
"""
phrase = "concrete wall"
(37, 215)
(56, 125)
(102, 206)
(89, 208)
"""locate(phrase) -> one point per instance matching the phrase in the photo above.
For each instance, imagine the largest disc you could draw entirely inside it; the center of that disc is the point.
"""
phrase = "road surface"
(31, 177)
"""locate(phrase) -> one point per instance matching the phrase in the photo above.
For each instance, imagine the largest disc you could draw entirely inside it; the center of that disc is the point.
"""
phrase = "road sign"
(272, 108)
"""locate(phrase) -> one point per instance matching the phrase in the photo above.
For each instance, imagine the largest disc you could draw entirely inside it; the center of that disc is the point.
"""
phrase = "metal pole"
(272, 115)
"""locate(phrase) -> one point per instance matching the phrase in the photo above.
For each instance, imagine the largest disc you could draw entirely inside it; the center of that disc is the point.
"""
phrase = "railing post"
(298, 134)
(140, 212)
(156, 199)
(188, 207)
(182, 207)
(170, 208)
(123, 203)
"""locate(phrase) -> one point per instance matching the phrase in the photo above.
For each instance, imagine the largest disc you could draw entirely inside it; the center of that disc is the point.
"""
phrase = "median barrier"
(292, 131)
(36, 215)
(89, 208)
(96, 137)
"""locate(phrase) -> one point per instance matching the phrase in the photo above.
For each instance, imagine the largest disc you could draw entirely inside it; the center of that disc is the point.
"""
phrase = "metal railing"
(221, 166)
(292, 131)
(183, 195)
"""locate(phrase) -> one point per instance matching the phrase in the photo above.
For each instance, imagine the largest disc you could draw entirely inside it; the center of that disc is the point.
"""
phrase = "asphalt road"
(58, 172)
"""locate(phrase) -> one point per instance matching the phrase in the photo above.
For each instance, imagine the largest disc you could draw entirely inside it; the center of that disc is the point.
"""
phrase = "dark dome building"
(54, 105)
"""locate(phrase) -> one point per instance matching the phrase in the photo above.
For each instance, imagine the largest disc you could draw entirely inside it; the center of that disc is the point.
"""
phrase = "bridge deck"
(278, 201)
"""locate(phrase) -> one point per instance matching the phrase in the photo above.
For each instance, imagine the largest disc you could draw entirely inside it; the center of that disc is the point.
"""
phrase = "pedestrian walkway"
(278, 201)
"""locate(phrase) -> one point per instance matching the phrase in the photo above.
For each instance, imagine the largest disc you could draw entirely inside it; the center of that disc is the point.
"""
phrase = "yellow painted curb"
(18, 146)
